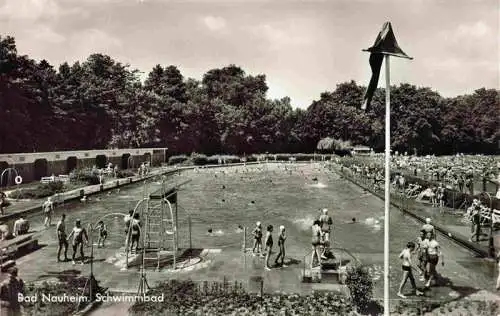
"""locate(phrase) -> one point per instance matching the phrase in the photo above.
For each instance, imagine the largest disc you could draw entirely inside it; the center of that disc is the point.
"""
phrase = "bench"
(11, 247)
(48, 179)
(63, 178)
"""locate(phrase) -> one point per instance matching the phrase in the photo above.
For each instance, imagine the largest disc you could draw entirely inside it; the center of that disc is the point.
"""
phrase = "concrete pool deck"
(281, 196)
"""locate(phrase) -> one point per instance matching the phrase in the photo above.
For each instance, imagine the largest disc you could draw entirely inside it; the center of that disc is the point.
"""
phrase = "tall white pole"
(387, 182)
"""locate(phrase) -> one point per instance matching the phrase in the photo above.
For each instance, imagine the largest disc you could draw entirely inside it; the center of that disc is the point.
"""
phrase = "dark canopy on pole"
(385, 44)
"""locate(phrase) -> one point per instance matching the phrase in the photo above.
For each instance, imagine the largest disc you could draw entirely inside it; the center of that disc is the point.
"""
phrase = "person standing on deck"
(257, 237)
(103, 233)
(269, 245)
(326, 222)
(316, 242)
(281, 245)
(135, 232)
(428, 227)
(48, 208)
(78, 233)
(433, 253)
(61, 236)
(422, 245)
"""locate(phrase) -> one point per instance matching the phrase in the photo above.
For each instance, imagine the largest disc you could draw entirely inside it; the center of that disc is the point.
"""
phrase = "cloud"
(45, 34)
(89, 41)
(279, 37)
(477, 30)
(214, 23)
(33, 10)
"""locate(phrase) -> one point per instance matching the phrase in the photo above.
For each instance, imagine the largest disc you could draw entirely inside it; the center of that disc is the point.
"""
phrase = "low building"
(34, 166)
(361, 150)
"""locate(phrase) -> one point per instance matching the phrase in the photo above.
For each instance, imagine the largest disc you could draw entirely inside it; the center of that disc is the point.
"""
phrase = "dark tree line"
(101, 103)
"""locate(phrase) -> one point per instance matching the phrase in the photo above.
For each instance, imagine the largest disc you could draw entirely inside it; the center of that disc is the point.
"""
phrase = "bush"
(125, 174)
(360, 284)
(177, 159)
(199, 159)
(71, 286)
(224, 298)
(251, 158)
(41, 191)
(84, 175)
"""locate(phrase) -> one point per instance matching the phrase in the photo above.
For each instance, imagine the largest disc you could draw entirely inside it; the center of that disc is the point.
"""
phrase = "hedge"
(41, 191)
(84, 175)
(177, 159)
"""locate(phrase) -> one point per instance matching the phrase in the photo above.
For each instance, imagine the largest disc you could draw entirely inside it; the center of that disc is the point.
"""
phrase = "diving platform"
(333, 270)
(169, 193)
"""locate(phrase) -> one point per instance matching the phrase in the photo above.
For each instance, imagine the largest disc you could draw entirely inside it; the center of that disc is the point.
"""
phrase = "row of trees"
(102, 103)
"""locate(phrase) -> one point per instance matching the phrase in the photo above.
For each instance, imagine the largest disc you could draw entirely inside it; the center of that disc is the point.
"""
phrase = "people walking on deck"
(103, 233)
(325, 223)
(268, 242)
(433, 254)
(257, 239)
(428, 227)
(316, 242)
(48, 208)
(281, 246)
(61, 236)
(79, 234)
(406, 264)
(422, 245)
(440, 195)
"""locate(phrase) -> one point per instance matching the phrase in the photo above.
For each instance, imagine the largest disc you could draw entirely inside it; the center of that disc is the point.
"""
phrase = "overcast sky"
(303, 47)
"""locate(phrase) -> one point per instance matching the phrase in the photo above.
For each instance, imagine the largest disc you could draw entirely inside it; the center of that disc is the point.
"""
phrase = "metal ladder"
(159, 231)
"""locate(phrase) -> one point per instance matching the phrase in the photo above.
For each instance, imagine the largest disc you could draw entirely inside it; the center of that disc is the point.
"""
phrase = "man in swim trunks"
(257, 239)
(433, 253)
(325, 223)
(135, 232)
(428, 227)
(103, 233)
(316, 242)
(61, 236)
(422, 245)
(281, 246)
(405, 256)
(48, 208)
(269, 245)
(78, 233)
